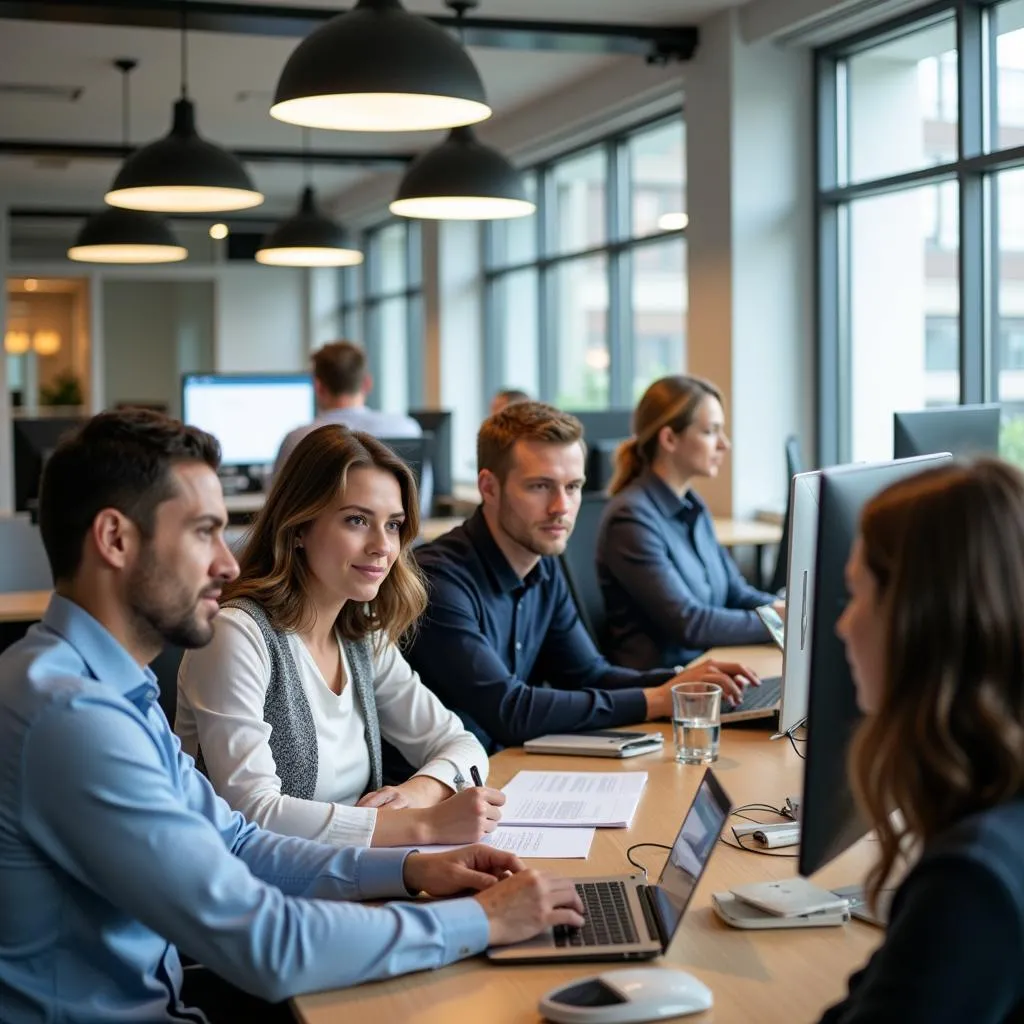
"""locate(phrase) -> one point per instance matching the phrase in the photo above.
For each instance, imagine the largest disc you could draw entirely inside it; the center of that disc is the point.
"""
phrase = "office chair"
(165, 668)
(579, 563)
(794, 465)
(24, 565)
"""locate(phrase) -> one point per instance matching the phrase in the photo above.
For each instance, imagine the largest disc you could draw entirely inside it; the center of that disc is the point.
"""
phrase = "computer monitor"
(416, 453)
(829, 818)
(604, 424)
(249, 414)
(439, 423)
(600, 467)
(964, 430)
(34, 440)
(803, 541)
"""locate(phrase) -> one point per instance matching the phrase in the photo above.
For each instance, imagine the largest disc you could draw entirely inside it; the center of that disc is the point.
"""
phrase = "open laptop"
(627, 919)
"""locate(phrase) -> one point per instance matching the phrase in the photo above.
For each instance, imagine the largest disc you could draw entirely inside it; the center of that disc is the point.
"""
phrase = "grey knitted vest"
(286, 710)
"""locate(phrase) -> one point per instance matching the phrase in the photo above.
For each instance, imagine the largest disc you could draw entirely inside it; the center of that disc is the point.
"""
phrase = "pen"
(475, 772)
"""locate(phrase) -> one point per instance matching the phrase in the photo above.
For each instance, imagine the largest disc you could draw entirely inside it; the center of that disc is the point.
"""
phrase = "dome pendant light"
(308, 238)
(462, 179)
(378, 68)
(126, 236)
(182, 172)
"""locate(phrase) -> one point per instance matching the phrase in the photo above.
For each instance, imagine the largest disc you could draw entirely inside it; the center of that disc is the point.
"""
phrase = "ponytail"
(629, 464)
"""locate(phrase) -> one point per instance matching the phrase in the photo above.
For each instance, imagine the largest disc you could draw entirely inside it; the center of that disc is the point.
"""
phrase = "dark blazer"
(670, 589)
(954, 947)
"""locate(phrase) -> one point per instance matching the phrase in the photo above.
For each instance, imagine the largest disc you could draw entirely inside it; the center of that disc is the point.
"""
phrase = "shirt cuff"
(350, 829)
(464, 927)
(380, 874)
(443, 772)
(629, 706)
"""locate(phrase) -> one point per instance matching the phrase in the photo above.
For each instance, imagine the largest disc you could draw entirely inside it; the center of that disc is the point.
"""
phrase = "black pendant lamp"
(462, 179)
(126, 236)
(378, 68)
(182, 172)
(308, 238)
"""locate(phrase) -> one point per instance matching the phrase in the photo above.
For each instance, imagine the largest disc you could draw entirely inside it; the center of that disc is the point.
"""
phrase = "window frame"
(974, 170)
(618, 249)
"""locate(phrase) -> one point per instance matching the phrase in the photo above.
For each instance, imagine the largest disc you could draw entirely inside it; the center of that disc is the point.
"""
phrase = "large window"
(387, 304)
(921, 223)
(586, 301)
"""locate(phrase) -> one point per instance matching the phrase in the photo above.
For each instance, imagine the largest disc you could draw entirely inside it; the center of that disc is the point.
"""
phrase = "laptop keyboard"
(758, 698)
(608, 920)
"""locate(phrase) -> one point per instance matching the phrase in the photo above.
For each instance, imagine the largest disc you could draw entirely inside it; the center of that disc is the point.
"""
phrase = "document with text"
(554, 843)
(602, 799)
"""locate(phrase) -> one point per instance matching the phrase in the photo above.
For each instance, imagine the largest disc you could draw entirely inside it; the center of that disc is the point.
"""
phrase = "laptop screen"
(690, 854)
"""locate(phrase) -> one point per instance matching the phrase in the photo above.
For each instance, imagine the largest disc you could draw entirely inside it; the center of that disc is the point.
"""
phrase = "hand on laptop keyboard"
(525, 904)
(731, 676)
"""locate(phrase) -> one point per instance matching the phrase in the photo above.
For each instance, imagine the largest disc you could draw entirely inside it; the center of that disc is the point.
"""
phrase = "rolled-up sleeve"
(100, 800)
(636, 554)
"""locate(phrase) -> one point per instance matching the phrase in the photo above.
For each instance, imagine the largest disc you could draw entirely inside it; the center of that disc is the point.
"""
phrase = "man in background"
(506, 397)
(341, 383)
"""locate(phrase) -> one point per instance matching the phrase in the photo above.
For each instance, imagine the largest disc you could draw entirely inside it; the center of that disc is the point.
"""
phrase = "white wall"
(154, 331)
(261, 319)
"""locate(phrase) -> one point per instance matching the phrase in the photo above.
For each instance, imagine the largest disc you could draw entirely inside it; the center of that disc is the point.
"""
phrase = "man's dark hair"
(341, 367)
(120, 460)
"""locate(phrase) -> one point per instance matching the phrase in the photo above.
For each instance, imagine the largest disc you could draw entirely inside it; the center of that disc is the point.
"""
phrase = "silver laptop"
(627, 919)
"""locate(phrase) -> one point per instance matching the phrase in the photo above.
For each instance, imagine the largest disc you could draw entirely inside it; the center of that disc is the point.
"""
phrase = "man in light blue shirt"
(342, 382)
(114, 850)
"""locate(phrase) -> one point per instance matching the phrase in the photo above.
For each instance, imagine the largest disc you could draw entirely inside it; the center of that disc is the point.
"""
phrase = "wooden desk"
(788, 976)
(23, 605)
(431, 529)
(734, 533)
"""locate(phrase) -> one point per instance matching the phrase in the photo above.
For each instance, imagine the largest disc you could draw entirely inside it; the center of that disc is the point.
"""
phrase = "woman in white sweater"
(286, 707)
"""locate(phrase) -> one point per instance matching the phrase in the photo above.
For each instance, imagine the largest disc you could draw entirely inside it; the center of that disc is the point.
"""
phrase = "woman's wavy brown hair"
(668, 402)
(273, 570)
(947, 551)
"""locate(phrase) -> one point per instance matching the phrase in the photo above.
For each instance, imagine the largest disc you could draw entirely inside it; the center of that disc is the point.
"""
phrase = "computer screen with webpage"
(249, 414)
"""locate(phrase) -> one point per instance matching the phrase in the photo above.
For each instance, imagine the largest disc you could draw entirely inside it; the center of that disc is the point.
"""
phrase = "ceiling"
(232, 78)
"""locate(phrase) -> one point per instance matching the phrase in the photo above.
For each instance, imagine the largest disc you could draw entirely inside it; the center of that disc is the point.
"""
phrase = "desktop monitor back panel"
(830, 821)
(963, 430)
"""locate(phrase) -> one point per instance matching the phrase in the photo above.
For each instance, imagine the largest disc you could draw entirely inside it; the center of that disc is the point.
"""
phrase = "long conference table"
(786, 976)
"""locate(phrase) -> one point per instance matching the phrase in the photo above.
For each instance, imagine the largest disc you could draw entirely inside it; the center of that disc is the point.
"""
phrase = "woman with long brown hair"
(934, 633)
(286, 708)
(670, 589)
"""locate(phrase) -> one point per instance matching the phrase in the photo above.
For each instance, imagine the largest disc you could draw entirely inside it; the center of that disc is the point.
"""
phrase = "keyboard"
(608, 920)
(758, 698)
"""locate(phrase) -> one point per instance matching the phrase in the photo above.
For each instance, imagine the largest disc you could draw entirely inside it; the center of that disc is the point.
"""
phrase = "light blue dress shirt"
(115, 852)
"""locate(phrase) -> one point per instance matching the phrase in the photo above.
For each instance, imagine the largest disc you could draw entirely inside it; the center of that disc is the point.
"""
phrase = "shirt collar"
(105, 658)
(689, 508)
(494, 559)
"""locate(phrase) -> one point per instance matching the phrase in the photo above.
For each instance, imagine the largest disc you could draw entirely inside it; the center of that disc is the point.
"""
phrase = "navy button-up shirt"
(489, 639)
(670, 589)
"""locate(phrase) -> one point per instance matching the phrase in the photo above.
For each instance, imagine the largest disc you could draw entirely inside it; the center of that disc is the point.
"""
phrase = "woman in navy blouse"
(670, 589)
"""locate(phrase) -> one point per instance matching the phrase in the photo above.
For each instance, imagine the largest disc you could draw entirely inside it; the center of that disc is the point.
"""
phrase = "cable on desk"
(637, 846)
(794, 741)
(739, 845)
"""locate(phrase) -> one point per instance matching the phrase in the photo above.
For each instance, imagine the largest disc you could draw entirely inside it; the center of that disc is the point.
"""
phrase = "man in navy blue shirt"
(500, 619)
(115, 851)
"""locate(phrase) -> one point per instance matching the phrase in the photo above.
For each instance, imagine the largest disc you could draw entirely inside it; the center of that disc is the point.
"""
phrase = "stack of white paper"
(602, 799)
(554, 843)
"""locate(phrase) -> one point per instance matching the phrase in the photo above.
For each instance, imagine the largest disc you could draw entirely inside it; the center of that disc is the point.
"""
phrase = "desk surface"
(23, 605)
(785, 976)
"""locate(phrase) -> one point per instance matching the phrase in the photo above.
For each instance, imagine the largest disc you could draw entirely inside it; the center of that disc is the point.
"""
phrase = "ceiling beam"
(656, 44)
(253, 220)
(115, 151)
